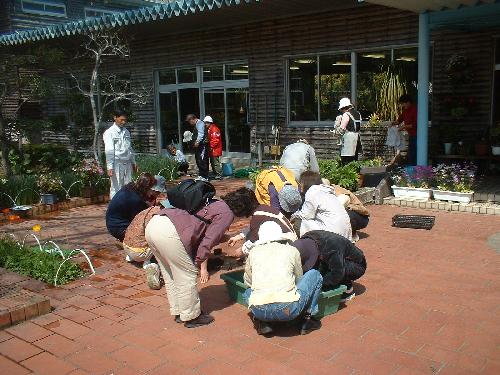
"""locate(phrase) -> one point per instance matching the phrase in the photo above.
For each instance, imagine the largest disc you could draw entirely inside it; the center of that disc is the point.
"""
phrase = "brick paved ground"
(427, 305)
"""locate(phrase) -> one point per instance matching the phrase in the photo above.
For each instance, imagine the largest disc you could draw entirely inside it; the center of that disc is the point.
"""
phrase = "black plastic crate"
(413, 221)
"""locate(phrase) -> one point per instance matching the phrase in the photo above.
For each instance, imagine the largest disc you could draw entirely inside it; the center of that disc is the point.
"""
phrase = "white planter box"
(409, 192)
(453, 196)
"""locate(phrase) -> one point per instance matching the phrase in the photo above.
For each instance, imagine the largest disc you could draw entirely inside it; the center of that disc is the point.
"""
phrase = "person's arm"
(132, 153)
(204, 275)
(309, 208)
(247, 277)
(345, 121)
(313, 162)
(220, 223)
(109, 150)
(273, 196)
(297, 267)
(200, 129)
(336, 270)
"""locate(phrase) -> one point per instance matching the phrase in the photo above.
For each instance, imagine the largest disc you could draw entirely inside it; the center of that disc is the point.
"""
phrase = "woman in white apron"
(347, 126)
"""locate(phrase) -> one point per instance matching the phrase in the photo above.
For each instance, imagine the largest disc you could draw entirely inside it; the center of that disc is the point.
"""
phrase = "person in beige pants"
(181, 243)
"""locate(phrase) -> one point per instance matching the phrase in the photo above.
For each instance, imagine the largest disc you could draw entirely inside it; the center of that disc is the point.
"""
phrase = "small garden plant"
(421, 177)
(89, 171)
(456, 177)
(37, 264)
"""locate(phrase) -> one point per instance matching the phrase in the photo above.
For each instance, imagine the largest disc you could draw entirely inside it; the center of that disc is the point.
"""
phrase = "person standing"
(299, 157)
(407, 121)
(347, 126)
(120, 159)
(200, 146)
(215, 142)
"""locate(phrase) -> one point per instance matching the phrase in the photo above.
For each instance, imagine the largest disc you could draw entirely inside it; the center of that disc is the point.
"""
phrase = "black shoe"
(177, 319)
(262, 328)
(201, 320)
(309, 324)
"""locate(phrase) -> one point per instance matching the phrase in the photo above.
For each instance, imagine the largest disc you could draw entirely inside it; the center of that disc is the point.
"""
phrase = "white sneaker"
(199, 178)
(355, 237)
(128, 259)
(153, 276)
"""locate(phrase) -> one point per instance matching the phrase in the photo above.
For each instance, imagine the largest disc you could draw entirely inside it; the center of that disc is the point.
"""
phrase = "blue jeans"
(309, 288)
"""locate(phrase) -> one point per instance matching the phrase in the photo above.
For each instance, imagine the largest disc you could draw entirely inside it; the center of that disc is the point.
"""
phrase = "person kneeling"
(278, 290)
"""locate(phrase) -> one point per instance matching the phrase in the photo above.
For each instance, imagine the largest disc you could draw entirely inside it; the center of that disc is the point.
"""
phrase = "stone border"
(473, 207)
(40, 209)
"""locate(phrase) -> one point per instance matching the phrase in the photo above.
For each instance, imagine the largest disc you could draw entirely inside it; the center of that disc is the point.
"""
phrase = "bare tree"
(104, 89)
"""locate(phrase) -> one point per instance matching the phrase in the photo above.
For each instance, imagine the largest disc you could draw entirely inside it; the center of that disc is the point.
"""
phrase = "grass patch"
(37, 264)
(157, 164)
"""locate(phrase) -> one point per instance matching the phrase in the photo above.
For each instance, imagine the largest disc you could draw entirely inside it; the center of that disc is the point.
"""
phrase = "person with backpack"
(215, 142)
(347, 127)
(181, 238)
(200, 146)
(299, 157)
(269, 183)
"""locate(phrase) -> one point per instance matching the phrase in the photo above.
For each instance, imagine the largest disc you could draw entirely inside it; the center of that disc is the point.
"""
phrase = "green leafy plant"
(393, 86)
(49, 183)
(157, 164)
(346, 176)
(36, 264)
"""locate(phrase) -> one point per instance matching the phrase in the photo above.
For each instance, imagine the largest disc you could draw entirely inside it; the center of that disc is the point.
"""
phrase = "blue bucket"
(227, 169)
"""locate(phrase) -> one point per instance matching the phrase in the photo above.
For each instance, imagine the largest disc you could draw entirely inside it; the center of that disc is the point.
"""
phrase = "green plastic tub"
(328, 301)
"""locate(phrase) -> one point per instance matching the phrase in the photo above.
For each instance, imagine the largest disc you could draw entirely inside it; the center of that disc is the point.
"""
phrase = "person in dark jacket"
(337, 258)
(130, 200)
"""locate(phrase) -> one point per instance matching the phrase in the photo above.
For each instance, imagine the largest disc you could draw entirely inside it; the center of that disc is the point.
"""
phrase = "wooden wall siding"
(478, 47)
(4, 17)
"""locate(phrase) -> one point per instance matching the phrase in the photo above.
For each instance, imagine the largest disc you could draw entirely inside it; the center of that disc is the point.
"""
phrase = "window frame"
(354, 63)
(44, 12)
(104, 12)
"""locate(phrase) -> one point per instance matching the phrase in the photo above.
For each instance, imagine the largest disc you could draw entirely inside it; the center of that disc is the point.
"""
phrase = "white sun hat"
(208, 119)
(344, 102)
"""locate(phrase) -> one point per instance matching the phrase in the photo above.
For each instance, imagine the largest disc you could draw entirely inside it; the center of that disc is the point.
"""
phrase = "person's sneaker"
(153, 276)
(201, 320)
(309, 324)
(177, 319)
(348, 295)
(128, 259)
(262, 328)
(200, 178)
(355, 237)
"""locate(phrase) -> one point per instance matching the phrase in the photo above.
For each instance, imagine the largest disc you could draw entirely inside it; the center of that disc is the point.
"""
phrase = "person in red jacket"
(215, 142)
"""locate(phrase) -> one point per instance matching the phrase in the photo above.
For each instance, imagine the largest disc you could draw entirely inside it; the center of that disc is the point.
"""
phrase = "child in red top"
(215, 142)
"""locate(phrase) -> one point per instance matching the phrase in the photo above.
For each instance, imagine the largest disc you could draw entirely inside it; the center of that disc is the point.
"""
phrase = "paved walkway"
(427, 305)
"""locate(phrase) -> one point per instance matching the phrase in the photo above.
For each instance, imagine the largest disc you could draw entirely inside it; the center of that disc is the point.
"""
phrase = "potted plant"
(413, 183)
(447, 135)
(89, 172)
(454, 182)
(495, 140)
(49, 184)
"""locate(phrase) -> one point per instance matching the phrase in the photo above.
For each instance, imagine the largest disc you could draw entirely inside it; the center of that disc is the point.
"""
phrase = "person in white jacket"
(321, 210)
(120, 159)
(299, 157)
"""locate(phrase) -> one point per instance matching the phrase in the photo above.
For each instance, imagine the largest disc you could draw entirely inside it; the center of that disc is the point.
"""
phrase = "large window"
(46, 7)
(218, 90)
(316, 83)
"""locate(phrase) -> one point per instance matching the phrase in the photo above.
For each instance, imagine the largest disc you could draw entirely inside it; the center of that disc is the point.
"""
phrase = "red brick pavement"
(427, 305)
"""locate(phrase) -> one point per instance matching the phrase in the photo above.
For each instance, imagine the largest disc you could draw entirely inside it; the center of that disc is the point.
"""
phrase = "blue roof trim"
(136, 16)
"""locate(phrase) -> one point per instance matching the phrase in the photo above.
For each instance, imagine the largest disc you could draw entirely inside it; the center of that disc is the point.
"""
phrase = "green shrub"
(346, 176)
(157, 164)
(37, 264)
(23, 187)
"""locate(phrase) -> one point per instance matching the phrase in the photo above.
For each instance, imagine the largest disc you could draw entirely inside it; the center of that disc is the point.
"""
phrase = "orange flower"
(6, 210)
(37, 228)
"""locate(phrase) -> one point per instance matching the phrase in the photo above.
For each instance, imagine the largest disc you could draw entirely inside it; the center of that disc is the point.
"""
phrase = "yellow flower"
(37, 228)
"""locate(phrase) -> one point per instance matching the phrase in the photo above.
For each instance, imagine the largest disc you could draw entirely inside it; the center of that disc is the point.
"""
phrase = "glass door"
(189, 102)
(215, 107)
(238, 128)
(169, 119)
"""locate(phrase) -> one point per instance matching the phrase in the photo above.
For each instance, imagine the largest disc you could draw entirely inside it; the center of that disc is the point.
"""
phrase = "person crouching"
(278, 290)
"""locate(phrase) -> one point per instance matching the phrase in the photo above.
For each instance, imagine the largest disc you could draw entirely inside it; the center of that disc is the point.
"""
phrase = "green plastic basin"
(328, 301)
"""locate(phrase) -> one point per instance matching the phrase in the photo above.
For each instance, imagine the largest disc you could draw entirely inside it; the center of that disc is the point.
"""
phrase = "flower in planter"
(456, 177)
(420, 177)
(89, 172)
(49, 183)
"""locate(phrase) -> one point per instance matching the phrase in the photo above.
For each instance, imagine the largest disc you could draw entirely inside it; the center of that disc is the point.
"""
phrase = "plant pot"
(409, 192)
(495, 150)
(89, 191)
(481, 149)
(447, 148)
(454, 196)
(48, 198)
